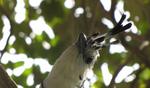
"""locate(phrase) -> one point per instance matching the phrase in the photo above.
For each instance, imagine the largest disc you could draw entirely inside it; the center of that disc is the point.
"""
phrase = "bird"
(70, 69)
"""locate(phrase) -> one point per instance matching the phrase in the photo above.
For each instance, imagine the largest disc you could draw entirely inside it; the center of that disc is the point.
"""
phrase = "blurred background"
(34, 33)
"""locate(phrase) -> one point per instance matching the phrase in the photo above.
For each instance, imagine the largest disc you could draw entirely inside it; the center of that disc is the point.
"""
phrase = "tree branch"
(5, 80)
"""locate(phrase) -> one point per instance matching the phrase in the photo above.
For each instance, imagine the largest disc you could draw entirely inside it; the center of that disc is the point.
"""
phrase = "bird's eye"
(80, 77)
(88, 60)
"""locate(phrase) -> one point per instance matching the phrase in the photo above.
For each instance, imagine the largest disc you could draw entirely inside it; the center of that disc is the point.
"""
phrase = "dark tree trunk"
(5, 80)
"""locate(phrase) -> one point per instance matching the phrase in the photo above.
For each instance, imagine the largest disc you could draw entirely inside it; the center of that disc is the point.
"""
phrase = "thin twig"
(112, 82)
(134, 82)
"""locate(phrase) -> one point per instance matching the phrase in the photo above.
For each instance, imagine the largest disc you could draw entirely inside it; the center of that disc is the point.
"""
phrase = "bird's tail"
(96, 39)
(119, 27)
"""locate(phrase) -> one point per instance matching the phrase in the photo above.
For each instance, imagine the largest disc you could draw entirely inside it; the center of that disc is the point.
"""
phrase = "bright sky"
(39, 25)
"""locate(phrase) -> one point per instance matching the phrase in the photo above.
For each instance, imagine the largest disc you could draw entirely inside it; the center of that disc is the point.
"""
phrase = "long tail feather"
(119, 27)
(97, 38)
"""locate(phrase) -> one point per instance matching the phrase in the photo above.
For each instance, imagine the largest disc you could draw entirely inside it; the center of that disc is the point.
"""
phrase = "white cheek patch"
(97, 54)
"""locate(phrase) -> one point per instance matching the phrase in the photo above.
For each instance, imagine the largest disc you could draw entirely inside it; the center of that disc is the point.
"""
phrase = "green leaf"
(18, 64)
(56, 21)
(27, 72)
(54, 41)
(145, 75)
(39, 38)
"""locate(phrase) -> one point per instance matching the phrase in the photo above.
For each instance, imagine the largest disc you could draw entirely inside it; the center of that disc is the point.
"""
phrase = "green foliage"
(52, 9)
(143, 26)
(145, 75)
(54, 41)
(18, 64)
(99, 83)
